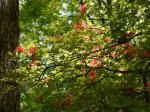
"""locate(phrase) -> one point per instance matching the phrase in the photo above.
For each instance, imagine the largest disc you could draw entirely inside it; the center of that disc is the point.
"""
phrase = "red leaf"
(92, 75)
(147, 54)
(83, 8)
(80, 26)
(96, 63)
(33, 50)
(19, 49)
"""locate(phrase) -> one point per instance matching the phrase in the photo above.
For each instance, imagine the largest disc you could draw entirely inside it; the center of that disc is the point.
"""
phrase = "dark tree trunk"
(9, 35)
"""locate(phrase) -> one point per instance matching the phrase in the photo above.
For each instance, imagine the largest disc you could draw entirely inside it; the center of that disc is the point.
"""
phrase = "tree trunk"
(9, 35)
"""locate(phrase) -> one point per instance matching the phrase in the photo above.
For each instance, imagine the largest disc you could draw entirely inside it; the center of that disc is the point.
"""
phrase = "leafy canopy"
(84, 55)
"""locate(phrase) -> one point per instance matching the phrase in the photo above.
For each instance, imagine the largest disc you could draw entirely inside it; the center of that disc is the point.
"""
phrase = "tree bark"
(9, 35)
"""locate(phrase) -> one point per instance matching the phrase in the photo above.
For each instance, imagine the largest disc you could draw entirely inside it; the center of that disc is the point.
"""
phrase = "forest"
(74, 56)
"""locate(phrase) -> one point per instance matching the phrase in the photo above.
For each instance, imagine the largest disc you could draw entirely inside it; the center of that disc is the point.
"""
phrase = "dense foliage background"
(84, 56)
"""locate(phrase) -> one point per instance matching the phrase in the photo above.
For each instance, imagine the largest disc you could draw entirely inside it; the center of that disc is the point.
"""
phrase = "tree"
(9, 35)
(96, 55)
